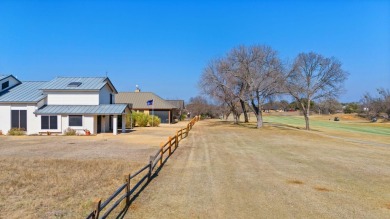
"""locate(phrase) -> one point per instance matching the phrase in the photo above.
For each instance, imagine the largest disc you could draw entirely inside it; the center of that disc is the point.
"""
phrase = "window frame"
(78, 124)
(49, 122)
(5, 85)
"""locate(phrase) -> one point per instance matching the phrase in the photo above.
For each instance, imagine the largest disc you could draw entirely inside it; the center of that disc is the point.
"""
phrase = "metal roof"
(26, 92)
(103, 109)
(3, 76)
(87, 83)
(139, 99)
(178, 103)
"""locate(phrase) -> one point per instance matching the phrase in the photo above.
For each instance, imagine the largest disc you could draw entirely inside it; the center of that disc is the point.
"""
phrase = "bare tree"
(259, 72)
(216, 83)
(312, 77)
(374, 106)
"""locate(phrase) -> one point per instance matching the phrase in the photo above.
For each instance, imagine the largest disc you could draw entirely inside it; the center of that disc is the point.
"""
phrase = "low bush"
(141, 119)
(16, 131)
(154, 121)
(70, 131)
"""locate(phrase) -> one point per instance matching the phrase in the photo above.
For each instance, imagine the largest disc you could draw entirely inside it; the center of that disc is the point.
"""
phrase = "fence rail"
(158, 158)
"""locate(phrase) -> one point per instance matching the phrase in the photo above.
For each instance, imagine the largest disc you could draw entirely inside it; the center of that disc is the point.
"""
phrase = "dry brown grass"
(59, 176)
(229, 171)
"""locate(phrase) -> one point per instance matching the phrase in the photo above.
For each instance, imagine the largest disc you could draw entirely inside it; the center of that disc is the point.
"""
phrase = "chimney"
(137, 90)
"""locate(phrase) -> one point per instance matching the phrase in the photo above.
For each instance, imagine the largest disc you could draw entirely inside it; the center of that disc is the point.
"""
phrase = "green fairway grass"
(348, 126)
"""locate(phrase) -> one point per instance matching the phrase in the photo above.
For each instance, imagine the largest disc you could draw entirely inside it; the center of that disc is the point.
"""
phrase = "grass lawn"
(354, 125)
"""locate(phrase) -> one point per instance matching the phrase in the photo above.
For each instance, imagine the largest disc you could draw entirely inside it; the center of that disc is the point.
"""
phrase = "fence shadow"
(134, 197)
(152, 170)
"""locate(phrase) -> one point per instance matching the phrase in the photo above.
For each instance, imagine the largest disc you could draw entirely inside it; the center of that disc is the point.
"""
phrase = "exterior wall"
(33, 121)
(104, 95)
(72, 98)
(5, 118)
(12, 82)
(89, 122)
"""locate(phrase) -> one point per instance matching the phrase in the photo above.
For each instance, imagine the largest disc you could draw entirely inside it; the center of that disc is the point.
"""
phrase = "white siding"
(73, 98)
(88, 123)
(33, 121)
(59, 125)
(12, 82)
(104, 95)
(5, 118)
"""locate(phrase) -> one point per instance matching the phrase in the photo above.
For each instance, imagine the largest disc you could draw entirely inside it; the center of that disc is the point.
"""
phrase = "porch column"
(123, 123)
(115, 125)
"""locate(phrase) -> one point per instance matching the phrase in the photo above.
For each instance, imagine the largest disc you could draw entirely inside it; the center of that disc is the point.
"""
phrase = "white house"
(80, 103)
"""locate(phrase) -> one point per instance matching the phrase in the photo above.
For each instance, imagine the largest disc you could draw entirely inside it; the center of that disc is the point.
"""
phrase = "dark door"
(19, 119)
(99, 124)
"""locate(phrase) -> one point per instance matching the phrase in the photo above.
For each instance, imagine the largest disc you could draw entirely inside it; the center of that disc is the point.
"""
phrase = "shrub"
(16, 131)
(141, 119)
(1, 132)
(154, 121)
(130, 121)
(70, 131)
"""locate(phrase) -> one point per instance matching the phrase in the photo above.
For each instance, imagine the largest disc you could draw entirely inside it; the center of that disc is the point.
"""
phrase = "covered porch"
(96, 119)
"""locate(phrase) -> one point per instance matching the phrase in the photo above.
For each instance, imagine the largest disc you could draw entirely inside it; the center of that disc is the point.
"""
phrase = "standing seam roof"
(103, 109)
(28, 91)
(87, 83)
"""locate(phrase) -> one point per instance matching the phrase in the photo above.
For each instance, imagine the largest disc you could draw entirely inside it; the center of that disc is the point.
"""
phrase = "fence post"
(127, 181)
(170, 145)
(176, 140)
(151, 158)
(161, 153)
(188, 129)
(96, 208)
(181, 134)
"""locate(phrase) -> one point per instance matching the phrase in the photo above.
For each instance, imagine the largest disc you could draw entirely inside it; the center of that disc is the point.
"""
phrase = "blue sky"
(164, 46)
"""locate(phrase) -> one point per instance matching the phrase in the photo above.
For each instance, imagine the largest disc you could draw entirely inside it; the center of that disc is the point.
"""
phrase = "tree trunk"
(244, 111)
(258, 113)
(236, 118)
(307, 114)
(307, 121)
(259, 118)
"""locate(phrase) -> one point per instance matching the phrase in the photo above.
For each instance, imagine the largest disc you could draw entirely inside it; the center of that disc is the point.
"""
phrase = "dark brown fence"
(101, 210)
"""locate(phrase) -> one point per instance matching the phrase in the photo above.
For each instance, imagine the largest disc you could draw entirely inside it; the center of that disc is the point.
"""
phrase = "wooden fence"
(158, 158)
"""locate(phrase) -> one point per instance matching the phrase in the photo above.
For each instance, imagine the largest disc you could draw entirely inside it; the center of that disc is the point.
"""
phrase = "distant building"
(180, 107)
(160, 107)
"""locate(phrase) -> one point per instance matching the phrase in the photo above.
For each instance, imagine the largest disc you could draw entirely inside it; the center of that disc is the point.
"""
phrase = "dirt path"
(224, 171)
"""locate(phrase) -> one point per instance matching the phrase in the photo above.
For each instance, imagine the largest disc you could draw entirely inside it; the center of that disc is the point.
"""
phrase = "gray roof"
(179, 104)
(103, 109)
(139, 99)
(26, 92)
(3, 76)
(87, 83)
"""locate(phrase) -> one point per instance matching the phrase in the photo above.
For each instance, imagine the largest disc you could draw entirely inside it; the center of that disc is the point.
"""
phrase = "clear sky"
(163, 46)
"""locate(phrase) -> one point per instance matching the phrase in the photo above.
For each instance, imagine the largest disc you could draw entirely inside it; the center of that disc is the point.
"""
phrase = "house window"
(75, 120)
(19, 119)
(48, 122)
(111, 97)
(5, 85)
